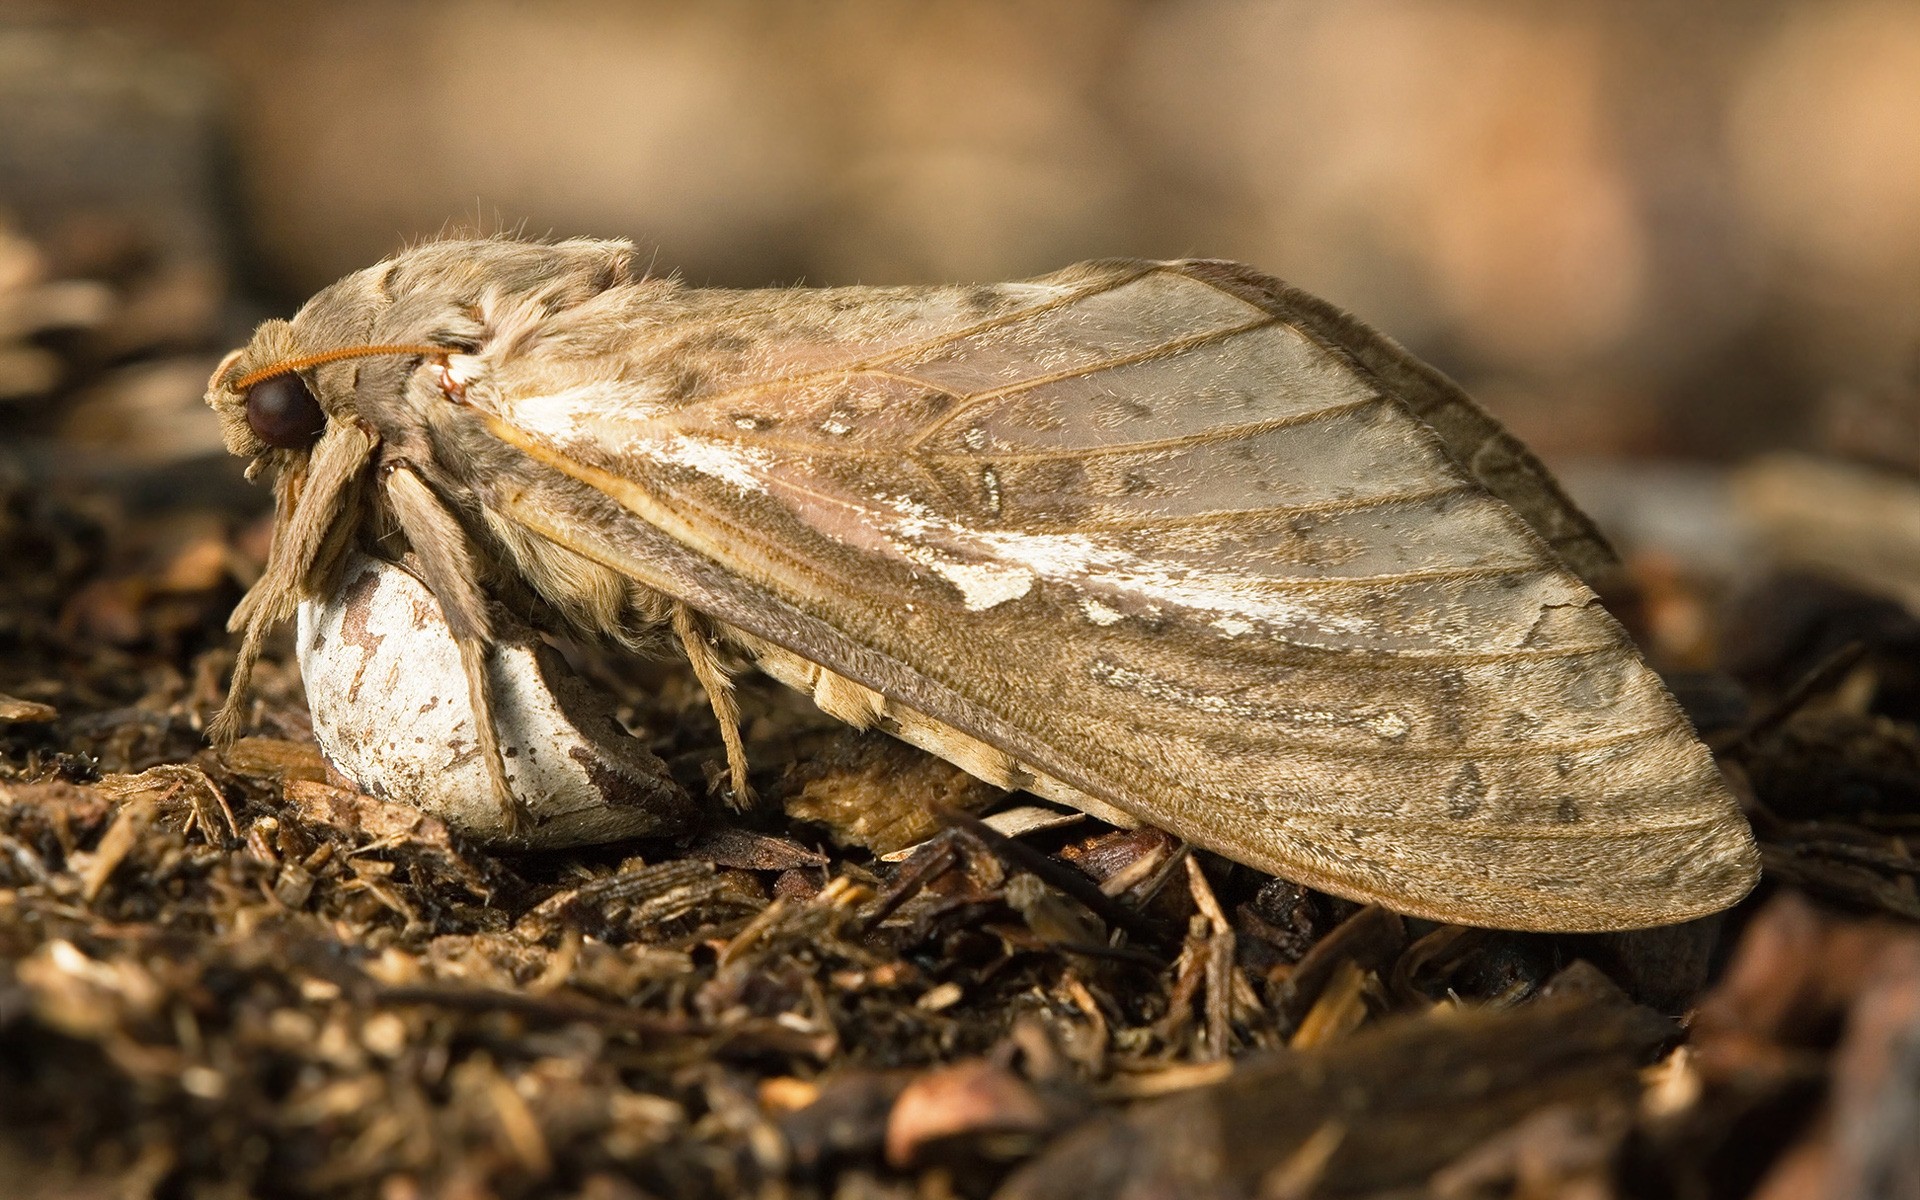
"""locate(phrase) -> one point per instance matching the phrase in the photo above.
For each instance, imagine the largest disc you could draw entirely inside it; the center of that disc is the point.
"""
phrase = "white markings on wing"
(1121, 581)
(915, 533)
(596, 421)
(982, 584)
(742, 466)
(587, 412)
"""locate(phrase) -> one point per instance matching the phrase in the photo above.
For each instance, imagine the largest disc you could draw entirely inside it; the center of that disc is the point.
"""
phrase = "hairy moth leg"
(307, 516)
(697, 640)
(448, 569)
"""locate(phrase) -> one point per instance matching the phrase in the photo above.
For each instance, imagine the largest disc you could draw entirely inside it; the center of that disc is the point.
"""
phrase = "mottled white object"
(391, 712)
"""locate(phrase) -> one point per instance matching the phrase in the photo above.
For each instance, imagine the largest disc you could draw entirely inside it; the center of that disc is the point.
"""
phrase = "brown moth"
(1169, 542)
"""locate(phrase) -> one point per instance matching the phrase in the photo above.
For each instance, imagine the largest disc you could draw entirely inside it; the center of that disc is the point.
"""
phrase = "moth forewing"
(1166, 542)
(1170, 537)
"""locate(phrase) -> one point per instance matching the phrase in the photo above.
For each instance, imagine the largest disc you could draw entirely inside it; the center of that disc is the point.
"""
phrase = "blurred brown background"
(1631, 227)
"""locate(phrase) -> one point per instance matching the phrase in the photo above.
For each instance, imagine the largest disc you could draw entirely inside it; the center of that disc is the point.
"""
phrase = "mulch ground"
(228, 974)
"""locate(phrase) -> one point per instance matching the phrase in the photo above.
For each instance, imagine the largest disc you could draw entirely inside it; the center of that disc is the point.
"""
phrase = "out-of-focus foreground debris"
(1854, 512)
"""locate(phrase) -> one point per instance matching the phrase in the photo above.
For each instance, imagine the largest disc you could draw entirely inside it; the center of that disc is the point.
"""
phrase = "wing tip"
(1640, 880)
(1692, 879)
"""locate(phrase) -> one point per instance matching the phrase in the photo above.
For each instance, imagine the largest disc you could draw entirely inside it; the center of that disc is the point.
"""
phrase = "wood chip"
(26, 712)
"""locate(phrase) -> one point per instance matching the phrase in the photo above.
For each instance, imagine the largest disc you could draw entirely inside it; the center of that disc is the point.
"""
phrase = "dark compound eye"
(282, 412)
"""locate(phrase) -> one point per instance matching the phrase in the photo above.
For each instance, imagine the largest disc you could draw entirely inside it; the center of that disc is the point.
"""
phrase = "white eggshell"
(391, 712)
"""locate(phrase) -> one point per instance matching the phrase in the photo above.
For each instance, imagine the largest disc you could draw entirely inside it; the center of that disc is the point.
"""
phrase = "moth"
(1170, 542)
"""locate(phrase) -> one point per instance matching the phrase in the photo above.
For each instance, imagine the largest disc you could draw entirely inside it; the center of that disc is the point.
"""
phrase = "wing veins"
(1571, 831)
(973, 400)
(1309, 583)
(1366, 660)
(1071, 298)
(618, 488)
(1360, 658)
(1311, 508)
(706, 405)
(863, 366)
(1214, 435)
(1451, 754)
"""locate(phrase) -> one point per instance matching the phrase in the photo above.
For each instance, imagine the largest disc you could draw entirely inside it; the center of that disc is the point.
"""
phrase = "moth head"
(287, 402)
(318, 399)
(276, 399)
(294, 380)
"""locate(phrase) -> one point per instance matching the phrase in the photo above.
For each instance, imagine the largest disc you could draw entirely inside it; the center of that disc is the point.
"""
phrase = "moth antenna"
(718, 685)
(445, 557)
(310, 505)
(337, 354)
